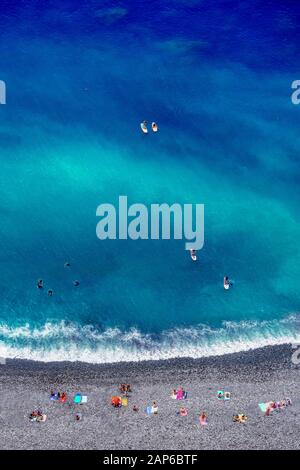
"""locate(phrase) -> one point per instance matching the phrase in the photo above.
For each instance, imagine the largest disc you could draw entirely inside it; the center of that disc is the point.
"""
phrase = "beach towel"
(180, 395)
(116, 401)
(77, 398)
(124, 401)
(54, 397)
(264, 406)
(84, 399)
(148, 410)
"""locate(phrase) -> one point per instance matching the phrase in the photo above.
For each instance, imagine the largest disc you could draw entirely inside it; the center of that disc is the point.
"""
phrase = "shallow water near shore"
(80, 79)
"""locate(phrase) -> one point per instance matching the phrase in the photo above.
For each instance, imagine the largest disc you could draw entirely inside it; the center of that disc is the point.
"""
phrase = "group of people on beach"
(125, 389)
(57, 396)
(277, 405)
(37, 416)
(181, 395)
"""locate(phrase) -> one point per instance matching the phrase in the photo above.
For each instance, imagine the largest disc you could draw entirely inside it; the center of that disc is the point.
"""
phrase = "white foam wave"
(70, 342)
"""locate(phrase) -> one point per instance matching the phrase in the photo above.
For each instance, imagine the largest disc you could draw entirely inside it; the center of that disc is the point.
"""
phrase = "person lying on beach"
(41, 418)
(183, 411)
(154, 408)
(241, 418)
(78, 416)
(203, 419)
(37, 416)
(268, 411)
(125, 388)
(116, 402)
(179, 394)
(63, 397)
(135, 408)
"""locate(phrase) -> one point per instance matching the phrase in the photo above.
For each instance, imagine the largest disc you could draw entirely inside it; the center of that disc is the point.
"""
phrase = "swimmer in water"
(40, 284)
(67, 265)
(50, 292)
(76, 283)
(193, 255)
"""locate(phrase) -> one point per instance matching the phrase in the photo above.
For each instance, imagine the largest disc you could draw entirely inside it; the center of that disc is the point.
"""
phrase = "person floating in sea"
(193, 255)
(50, 292)
(76, 283)
(67, 264)
(40, 284)
(227, 283)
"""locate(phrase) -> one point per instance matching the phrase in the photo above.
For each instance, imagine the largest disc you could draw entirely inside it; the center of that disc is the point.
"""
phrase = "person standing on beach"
(154, 408)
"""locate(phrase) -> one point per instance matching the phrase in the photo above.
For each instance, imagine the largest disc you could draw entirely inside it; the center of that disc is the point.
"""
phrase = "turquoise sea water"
(216, 77)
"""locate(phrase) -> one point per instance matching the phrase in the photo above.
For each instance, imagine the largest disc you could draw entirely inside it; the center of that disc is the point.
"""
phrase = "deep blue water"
(81, 76)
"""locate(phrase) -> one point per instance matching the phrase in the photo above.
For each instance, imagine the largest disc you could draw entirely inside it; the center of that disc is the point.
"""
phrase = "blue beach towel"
(54, 397)
(77, 398)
